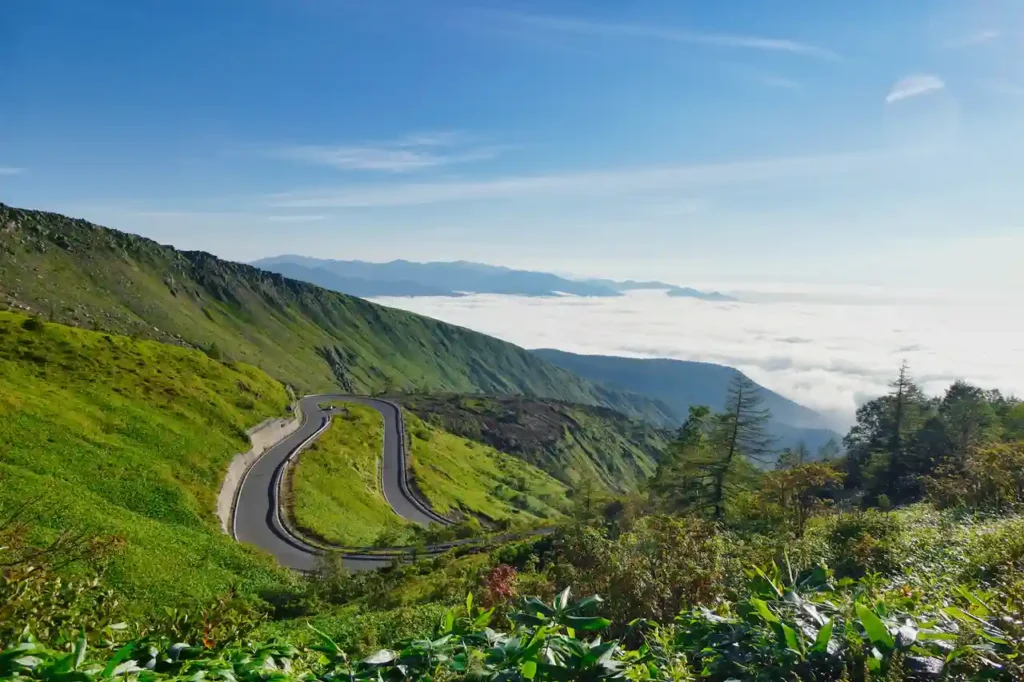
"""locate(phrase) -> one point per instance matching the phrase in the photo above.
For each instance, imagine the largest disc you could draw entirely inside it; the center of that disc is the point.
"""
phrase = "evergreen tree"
(681, 482)
(740, 442)
(880, 447)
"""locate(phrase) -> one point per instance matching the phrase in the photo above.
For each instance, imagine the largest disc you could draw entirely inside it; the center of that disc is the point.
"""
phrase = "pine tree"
(681, 482)
(741, 441)
(909, 412)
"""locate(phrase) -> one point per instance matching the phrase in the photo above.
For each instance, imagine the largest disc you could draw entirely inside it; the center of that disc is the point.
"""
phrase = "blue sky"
(847, 144)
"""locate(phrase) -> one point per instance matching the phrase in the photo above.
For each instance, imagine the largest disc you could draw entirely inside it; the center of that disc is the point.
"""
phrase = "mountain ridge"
(682, 383)
(454, 278)
(86, 275)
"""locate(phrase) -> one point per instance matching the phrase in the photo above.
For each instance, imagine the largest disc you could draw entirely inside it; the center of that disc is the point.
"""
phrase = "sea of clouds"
(827, 352)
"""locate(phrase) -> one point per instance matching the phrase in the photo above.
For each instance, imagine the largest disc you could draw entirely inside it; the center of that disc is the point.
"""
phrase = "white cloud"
(601, 29)
(413, 152)
(9, 170)
(592, 183)
(829, 355)
(914, 85)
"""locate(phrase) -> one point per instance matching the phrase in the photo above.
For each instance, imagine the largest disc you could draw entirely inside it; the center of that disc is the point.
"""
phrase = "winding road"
(257, 513)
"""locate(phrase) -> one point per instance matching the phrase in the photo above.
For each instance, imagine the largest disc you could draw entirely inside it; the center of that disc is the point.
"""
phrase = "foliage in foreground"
(808, 627)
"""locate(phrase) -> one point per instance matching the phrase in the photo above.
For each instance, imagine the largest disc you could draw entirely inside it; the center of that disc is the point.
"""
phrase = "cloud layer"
(830, 356)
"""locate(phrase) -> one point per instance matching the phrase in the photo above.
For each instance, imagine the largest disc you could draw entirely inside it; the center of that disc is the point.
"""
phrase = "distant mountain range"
(680, 384)
(456, 278)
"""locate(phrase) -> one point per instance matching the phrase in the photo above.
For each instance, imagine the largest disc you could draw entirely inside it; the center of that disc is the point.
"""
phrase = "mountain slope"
(111, 436)
(82, 274)
(573, 443)
(680, 384)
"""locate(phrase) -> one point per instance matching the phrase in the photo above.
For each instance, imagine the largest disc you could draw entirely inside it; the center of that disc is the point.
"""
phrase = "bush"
(659, 566)
(991, 478)
(863, 542)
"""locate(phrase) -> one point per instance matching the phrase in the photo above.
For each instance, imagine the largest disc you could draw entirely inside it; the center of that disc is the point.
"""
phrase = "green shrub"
(863, 542)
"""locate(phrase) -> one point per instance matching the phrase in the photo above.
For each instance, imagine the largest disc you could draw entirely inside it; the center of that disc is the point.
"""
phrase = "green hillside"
(465, 478)
(110, 436)
(335, 493)
(77, 273)
(570, 442)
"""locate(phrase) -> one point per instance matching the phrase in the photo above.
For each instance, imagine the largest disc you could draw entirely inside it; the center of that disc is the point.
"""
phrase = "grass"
(336, 495)
(572, 443)
(77, 273)
(456, 474)
(119, 437)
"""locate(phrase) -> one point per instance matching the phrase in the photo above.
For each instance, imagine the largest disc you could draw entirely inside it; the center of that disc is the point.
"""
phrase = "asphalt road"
(257, 517)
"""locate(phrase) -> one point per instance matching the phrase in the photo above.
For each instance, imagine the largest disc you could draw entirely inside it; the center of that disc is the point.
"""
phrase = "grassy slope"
(130, 438)
(335, 492)
(82, 274)
(458, 474)
(570, 442)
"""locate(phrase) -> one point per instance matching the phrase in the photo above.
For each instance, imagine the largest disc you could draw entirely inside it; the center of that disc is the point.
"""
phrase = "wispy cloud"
(295, 218)
(914, 85)
(410, 153)
(983, 36)
(10, 170)
(593, 183)
(604, 29)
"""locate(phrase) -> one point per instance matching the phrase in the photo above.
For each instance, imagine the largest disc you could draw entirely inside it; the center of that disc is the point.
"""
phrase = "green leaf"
(587, 622)
(762, 608)
(962, 616)
(80, 647)
(483, 619)
(562, 600)
(448, 620)
(824, 637)
(120, 655)
(535, 643)
(981, 606)
(529, 670)
(469, 604)
(527, 618)
(534, 605)
(328, 642)
(874, 627)
(769, 581)
(586, 603)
